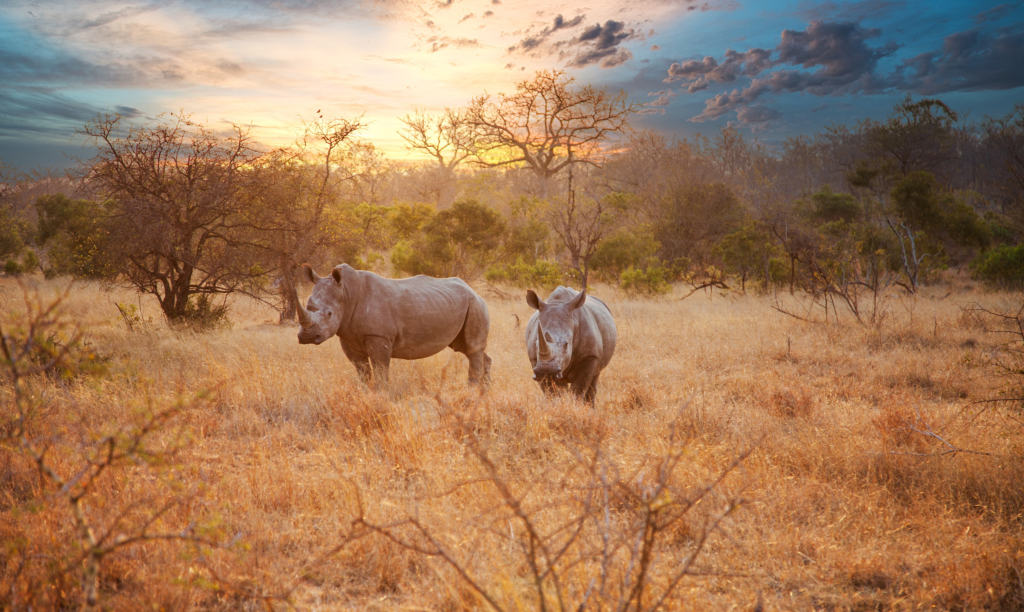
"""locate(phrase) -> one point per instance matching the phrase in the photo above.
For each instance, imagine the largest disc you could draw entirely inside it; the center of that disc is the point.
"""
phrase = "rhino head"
(320, 318)
(555, 330)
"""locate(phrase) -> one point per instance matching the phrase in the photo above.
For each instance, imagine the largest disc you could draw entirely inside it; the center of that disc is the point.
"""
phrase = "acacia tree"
(448, 138)
(918, 136)
(290, 191)
(176, 219)
(547, 124)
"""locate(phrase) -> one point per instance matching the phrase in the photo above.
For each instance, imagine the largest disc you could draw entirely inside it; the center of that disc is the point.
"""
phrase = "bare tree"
(547, 124)
(290, 193)
(176, 211)
(448, 138)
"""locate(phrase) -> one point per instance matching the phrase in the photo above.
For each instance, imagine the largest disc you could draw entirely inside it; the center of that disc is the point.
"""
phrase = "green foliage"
(693, 218)
(459, 241)
(373, 223)
(202, 314)
(1002, 266)
(745, 252)
(537, 274)
(827, 205)
(621, 251)
(406, 220)
(406, 259)
(76, 240)
(651, 280)
(12, 267)
(13, 232)
(965, 227)
(916, 200)
(954, 226)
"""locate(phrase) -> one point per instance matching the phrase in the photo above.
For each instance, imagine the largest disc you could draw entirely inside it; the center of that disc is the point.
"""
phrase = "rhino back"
(420, 315)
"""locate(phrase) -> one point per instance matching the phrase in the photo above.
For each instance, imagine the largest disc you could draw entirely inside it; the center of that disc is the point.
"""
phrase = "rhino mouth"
(549, 373)
(309, 337)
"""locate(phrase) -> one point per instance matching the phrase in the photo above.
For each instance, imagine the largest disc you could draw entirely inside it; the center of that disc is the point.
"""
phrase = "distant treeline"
(544, 185)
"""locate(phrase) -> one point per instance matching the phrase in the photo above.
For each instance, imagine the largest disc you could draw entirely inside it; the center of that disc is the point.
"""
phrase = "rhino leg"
(584, 379)
(374, 368)
(472, 341)
(479, 368)
(590, 395)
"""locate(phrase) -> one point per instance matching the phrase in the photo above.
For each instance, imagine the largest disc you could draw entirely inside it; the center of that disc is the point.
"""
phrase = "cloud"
(42, 111)
(440, 42)
(533, 41)
(824, 59)
(704, 72)
(600, 44)
(972, 60)
(756, 114)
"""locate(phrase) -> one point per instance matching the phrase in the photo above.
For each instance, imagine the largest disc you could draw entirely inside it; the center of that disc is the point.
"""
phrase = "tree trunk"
(289, 297)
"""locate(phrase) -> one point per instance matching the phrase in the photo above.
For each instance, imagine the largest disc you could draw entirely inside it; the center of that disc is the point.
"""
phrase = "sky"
(773, 69)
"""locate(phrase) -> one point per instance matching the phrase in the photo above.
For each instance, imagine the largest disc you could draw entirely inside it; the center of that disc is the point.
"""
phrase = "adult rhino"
(378, 319)
(569, 340)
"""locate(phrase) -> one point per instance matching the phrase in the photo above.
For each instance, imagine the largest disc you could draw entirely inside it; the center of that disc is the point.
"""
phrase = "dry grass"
(302, 486)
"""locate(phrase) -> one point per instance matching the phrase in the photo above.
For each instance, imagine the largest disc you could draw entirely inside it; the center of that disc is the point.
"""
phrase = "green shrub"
(620, 252)
(652, 280)
(202, 314)
(1002, 266)
(12, 267)
(539, 274)
(76, 241)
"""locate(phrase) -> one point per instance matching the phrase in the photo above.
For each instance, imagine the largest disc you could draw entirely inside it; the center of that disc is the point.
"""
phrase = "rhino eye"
(329, 313)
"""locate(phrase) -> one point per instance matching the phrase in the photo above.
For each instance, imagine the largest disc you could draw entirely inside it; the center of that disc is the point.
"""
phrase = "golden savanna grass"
(783, 463)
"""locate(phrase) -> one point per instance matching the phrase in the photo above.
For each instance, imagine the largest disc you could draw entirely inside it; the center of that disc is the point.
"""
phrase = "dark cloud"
(57, 67)
(824, 59)
(996, 12)
(59, 111)
(112, 16)
(701, 73)
(839, 49)
(756, 114)
(600, 44)
(972, 60)
(128, 112)
(535, 40)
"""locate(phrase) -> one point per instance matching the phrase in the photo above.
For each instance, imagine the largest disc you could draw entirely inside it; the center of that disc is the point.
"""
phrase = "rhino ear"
(308, 273)
(336, 273)
(535, 302)
(578, 301)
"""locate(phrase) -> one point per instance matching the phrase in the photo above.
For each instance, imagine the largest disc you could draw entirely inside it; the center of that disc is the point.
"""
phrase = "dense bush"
(538, 274)
(1002, 266)
(651, 280)
(617, 253)
(460, 241)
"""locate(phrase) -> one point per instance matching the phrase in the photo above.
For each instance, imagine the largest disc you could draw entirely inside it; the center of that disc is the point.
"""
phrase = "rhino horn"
(542, 346)
(304, 319)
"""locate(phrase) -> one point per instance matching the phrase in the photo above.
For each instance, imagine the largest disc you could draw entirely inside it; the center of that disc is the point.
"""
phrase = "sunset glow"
(271, 65)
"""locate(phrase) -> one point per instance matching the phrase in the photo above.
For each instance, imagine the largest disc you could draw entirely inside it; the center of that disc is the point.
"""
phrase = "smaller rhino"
(569, 340)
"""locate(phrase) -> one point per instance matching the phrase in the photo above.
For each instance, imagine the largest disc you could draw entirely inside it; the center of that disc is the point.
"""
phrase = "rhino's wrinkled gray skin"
(378, 319)
(569, 340)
